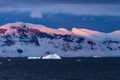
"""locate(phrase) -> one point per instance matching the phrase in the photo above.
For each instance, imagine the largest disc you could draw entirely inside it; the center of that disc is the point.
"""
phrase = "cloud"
(83, 9)
(78, 9)
(34, 2)
(36, 14)
(38, 9)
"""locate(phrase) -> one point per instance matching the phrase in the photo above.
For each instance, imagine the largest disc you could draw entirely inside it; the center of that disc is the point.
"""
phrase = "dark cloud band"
(76, 7)
(59, 1)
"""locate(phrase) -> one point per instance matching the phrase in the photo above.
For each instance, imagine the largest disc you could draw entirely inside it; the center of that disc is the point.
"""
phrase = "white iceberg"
(51, 56)
(33, 57)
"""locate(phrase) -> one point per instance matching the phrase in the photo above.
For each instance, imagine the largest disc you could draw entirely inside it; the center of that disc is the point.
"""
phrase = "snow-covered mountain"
(24, 39)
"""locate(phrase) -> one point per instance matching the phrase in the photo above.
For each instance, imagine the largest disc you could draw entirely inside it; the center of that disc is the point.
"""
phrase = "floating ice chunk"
(9, 60)
(79, 60)
(33, 57)
(96, 56)
(52, 56)
(0, 62)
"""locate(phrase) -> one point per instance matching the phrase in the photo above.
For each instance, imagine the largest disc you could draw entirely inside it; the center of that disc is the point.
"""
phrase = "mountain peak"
(87, 33)
(117, 32)
(11, 28)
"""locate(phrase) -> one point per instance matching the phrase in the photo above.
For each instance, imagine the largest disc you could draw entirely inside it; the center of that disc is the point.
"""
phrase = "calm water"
(65, 69)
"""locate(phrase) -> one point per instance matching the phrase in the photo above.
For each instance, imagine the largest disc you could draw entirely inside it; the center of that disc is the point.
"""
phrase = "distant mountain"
(24, 39)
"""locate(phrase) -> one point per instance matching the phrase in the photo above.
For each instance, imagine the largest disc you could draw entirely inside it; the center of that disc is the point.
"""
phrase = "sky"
(41, 10)
(77, 7)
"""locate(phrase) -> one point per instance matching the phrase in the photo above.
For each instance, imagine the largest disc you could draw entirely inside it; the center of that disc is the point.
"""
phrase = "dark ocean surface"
(65, 69)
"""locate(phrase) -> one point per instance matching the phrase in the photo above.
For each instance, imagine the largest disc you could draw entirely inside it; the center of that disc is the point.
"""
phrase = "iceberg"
(51, 56)
(33, 57)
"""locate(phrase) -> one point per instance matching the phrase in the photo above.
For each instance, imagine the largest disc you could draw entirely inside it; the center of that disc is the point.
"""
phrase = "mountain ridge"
(59, 31)
(25, 39)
